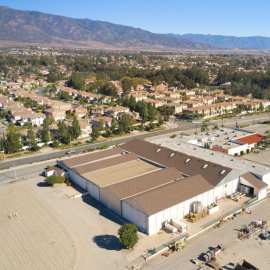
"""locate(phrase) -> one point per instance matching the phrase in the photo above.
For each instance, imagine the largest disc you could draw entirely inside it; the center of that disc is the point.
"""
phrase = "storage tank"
(170, 228)
(181, 226)
(197, 207)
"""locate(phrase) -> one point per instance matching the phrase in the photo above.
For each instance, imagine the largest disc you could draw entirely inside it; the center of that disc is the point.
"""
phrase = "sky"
(216, 17)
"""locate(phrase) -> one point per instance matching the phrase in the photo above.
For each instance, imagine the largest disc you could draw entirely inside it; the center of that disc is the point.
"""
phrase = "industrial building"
(226, 140)
(150, 185)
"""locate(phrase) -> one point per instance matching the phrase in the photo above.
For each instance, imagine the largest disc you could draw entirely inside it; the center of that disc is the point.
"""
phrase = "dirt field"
(35, 239)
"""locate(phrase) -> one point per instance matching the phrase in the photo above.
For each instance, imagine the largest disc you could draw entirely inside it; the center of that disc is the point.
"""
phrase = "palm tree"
(267, 137)
(204, 127)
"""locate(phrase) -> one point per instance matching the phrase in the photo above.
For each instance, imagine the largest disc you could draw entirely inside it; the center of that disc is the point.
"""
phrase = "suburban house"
(157, 102)
(55, 104)
(97, 122)
(55, 114)
(80, 110)
(33, 117)
(114, 111)
(85, 128)
(178, 108)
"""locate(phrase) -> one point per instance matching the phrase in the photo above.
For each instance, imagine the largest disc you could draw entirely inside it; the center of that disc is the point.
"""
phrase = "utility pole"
(15, 171)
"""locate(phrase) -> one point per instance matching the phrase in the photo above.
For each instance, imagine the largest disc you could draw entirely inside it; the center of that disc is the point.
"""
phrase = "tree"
(132, 103)
(63, 134)
(143, 111)
(128, 235)
(204, 127)
(113, 125)
(76, 128)
(45, 137)
(12, 143)
(11, 127)
(126, 85)
(109, 90)
(32, 139)
(95, 133)
(125, 121)
(52, 77)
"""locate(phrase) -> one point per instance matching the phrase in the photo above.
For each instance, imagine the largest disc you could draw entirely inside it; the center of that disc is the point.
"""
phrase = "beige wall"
(109, 199)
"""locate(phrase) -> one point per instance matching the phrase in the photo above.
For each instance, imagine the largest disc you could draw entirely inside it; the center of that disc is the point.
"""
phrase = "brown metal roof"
(164, 197)
(83, 159)
(54, 168)
(193, 167)
(253, 180)
(109, 162)
(145, 182)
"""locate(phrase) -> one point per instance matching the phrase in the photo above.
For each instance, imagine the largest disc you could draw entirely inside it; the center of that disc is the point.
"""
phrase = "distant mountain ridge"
(230, 42)
(36, 27)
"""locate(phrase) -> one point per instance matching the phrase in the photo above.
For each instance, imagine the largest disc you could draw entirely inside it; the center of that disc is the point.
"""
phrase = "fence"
(216, 220)
(164, 246)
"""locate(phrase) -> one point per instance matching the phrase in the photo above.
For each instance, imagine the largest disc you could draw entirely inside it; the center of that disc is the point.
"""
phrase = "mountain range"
(19, 27)
(229, 42)
(32, 27)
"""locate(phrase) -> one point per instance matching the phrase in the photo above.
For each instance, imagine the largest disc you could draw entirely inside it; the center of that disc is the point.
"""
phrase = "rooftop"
(184, 163)
(105, 163)
(161, 198)
(89, 157)
(118, 173)
(145, 182)
(236, 163)
(251, 139)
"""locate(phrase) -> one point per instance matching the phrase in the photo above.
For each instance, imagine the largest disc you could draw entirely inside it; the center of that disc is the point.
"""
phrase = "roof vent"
(223, 171)
(172, 154)
(194, 149)
(159, 149)
(231, 159)
(212, 154)
(205, 166)
(253, 166)
(187, 160)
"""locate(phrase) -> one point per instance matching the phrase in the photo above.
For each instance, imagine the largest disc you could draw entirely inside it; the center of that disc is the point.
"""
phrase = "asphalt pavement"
(182, 127)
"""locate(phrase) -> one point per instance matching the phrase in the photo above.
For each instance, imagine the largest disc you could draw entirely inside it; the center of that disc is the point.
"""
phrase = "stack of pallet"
(195, 217)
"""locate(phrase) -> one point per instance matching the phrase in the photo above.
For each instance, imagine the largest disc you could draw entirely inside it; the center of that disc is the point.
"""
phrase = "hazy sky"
(224, 17)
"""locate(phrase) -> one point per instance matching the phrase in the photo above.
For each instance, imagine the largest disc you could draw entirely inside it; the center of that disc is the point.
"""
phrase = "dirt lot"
(55, 232)
(35, 239)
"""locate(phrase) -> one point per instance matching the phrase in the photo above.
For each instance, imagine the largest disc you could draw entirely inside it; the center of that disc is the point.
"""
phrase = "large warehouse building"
(149, 185)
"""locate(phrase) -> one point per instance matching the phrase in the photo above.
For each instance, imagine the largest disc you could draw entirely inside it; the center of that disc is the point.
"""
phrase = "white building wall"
(156, 221)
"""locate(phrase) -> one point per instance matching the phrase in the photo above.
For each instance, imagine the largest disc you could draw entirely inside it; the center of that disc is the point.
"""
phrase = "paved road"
(24, 171)
(41, 91)
(200, 244)
(182, 127)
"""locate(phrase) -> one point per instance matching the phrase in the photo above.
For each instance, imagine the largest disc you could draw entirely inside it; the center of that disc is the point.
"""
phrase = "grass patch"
(28, 152)
(19, 128)
(13, 156)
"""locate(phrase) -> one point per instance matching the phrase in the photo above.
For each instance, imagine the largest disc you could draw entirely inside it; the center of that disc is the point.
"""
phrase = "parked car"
(70, 152)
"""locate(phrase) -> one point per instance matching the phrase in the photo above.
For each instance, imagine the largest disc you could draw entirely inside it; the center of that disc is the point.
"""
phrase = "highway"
(183, 126)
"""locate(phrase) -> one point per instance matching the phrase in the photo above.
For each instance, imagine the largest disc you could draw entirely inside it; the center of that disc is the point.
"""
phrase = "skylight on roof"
(223, 171)
(205, 166)
(159, 149)
(187, 160)
(172, 154)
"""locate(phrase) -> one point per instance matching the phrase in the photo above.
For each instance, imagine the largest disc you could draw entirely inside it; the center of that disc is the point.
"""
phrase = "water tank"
(170, 228)
(197, 207)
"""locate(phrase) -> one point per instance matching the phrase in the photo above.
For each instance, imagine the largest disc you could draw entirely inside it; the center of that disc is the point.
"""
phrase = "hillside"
(35, 27)
(230, 42)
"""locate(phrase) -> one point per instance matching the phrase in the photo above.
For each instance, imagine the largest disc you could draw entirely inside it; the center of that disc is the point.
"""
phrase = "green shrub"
(241, 153)
(61, 179)
(51, 180)
(173, 136)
